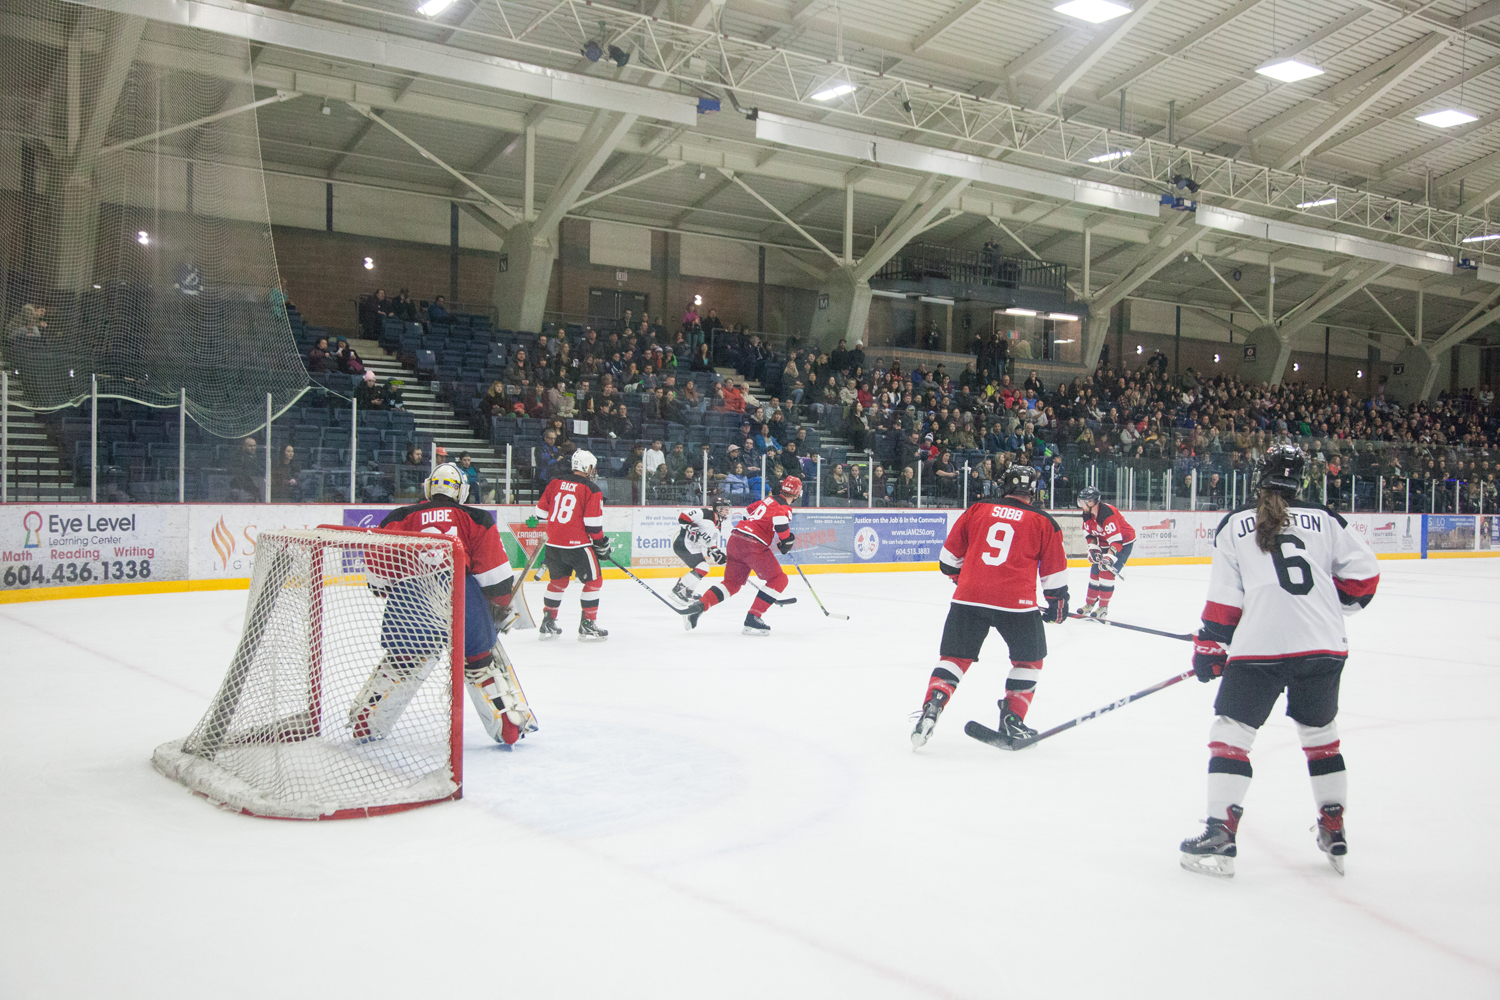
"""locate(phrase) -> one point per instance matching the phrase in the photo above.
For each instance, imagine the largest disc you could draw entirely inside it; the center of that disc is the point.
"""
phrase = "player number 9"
(999, 540)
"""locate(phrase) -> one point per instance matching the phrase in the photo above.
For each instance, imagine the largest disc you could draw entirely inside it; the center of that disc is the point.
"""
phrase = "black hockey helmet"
(1088, 495)
(1282, 468)
(720, 506)
(1019, 480)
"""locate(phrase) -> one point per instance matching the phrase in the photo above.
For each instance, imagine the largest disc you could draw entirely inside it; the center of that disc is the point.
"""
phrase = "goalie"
(699, 545)
(411, 629)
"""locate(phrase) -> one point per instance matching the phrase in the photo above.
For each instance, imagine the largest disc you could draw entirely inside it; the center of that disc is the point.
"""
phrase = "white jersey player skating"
(699, 544)
(1285, 574)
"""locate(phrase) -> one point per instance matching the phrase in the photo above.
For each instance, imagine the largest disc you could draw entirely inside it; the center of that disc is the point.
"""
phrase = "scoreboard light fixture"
(1093, 11)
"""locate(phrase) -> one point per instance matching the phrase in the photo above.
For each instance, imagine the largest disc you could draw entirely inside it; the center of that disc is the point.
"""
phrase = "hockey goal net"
(330, 611)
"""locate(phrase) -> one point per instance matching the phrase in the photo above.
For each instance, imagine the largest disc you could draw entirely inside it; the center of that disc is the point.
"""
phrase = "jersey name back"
(1000, 550)
(1285, 603)
(765, 521)
(472, 526)
(573, 509)
(1107, 528)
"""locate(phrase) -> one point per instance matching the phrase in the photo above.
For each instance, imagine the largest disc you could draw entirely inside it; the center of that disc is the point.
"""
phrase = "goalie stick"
(805, 580)
(524, 618)
(985, 734)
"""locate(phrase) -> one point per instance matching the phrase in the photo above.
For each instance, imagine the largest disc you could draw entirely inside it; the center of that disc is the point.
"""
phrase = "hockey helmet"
(720, 506)
(584, 462)
(447, 480)
(791, 488)
(1282, 468)
(1088, 495)
(1019, 480)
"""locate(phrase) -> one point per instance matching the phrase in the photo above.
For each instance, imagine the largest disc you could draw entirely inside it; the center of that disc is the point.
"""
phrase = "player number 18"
(999, 540)
(562, 507)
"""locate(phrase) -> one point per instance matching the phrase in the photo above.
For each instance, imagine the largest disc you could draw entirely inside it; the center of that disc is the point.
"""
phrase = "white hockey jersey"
(1292, 601)
(699, 532)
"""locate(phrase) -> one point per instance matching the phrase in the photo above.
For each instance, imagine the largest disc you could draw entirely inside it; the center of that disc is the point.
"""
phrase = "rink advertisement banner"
(1449, 533)
(1388, 534)
(1489, 533)
(221, 540)
(874, 536)
(652, 532)
(55, 545)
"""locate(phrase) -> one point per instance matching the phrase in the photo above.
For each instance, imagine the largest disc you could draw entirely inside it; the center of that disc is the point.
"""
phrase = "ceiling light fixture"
(1092, 11)
(834, 90)
(936, 300)
(143, 238)
(369, 263)
(1319, 203)
(1447, 118)
(1480, 239)
(1063, 318)
(432, 8)
(1289, 70)
(1013, 311)
(1110, 157)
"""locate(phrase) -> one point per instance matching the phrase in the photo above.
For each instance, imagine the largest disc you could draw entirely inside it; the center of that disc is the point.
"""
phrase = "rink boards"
(51, 551)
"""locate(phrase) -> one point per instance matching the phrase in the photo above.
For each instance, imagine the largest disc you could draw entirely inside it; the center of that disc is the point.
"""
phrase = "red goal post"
(328, 608)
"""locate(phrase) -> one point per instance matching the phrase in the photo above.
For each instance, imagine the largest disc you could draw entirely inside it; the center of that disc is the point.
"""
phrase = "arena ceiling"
(1348, 196)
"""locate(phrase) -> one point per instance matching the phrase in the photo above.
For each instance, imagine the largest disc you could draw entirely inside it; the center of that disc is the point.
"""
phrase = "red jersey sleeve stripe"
(1221, 614)
(1357, 588)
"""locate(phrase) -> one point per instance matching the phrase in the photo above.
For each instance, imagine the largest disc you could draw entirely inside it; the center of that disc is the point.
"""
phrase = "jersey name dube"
(766, 521)
(1000, 550)
(1107, 528)
(573, 509)
(474, 527)
(1291, 601)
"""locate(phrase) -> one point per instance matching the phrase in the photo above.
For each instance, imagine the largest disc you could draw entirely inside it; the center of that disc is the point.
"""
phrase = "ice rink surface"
(716, 816)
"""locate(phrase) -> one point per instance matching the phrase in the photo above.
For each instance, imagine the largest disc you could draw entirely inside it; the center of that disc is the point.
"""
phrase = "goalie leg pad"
(498, 698)
(385, 696)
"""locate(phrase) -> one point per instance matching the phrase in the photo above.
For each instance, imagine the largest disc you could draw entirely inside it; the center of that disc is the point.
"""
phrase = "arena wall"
(56, 551)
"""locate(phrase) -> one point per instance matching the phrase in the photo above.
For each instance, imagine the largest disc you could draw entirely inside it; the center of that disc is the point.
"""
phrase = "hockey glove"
(715, 555)
(602, 546)
(1057, 605)
(502, 614)
(785, 545)
(1209, 657)
(1104, 559)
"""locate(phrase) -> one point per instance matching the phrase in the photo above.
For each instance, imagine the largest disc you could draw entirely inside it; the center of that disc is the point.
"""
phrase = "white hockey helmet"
(584, 462)
(447, 480)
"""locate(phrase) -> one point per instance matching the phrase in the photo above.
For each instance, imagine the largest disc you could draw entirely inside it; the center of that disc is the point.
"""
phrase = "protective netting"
(138, 237)
(333, 618)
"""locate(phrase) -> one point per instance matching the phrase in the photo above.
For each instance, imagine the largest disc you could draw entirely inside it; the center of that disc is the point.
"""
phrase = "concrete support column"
(848, 308)
(520, 295)
(1272, 355)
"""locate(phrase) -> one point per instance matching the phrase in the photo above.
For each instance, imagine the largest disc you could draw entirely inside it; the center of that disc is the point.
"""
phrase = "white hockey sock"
(1225, 790)
(1229, 742)
(1325, 764)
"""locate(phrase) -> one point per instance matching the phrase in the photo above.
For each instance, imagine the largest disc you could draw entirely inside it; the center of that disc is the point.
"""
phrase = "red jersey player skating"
(1110, 539)
(994, 555)
(573, 509)
(767, 522)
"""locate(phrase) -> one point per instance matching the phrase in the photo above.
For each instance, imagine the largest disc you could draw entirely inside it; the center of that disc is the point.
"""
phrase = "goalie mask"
(447, 480)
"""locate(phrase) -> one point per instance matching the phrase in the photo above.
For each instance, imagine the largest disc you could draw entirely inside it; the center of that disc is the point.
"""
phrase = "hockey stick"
(643, 583)
(805, 580)
(986, 735)
(1136, 628)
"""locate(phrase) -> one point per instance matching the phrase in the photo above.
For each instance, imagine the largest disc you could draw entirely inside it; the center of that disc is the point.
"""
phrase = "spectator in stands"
(676, 460)
(495, 403)
(734, 397)
(905, 492)
(690, 317)
(548, 452)
(471, 474)
(317, 357)
(405, 307)
(395, 392)
(518, 369)
(765, 441)
(732, 457)
(736, 485)
(247, 474)
(285, 471)
(880, 485)
(655, 458)
(349, 360)
(559, 402)
(437, 312)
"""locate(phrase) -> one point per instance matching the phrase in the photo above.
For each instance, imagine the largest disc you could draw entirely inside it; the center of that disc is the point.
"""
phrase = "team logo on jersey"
(866, 542)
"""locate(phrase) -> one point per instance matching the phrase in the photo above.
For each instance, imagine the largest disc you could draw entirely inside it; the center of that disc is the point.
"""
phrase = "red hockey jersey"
(573, 508)
(475, 528)
(766, 521)
(1107, 529)
(998, 550)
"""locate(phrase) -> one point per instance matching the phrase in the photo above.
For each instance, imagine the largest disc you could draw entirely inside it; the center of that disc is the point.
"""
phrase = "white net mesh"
(139, 246)
(341, 629)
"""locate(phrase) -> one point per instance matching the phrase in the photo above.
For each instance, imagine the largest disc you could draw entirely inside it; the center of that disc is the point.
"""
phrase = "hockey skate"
(927, 722)
(1331, 840)
(548, 628)
(1212, 852)
(683, 592)
(1100, 613)
(1015, 731)
(754, 626)
(1087, 611)
(690, 617)
(589, 631)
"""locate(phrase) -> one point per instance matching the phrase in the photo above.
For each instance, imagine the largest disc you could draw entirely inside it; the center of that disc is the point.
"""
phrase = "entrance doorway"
(607, 307)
